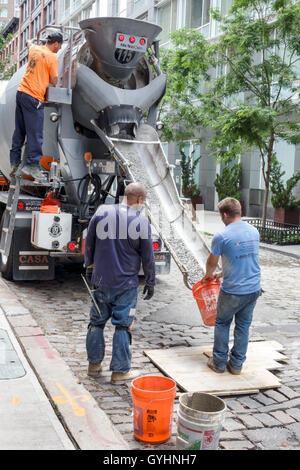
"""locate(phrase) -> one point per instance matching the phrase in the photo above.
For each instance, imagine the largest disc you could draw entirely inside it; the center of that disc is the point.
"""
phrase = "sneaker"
(211, 365)
(34, 171)
(121, 376)
(94, 370)
(232, 370)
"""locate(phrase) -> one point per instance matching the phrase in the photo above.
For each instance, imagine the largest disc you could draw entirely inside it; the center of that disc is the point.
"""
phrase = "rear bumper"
(162, 263)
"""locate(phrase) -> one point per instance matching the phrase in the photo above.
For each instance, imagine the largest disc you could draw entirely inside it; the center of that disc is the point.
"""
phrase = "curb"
(86, 424)
(281, 252)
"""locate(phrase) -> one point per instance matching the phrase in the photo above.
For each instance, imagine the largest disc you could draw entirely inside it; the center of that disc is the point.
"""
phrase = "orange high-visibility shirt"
(42, 64)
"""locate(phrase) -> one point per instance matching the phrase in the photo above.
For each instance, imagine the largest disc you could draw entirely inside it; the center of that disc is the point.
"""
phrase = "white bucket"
(200, 417)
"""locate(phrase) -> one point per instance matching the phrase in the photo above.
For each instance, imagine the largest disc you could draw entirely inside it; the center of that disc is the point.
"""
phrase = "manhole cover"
(10, 364)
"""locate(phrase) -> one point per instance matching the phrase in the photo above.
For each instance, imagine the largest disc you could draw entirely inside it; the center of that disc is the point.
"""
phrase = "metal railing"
(63, 29)
(275, 232)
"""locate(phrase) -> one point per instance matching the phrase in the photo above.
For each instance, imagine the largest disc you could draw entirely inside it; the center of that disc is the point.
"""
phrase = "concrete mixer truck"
(107, 82)
(99, 134)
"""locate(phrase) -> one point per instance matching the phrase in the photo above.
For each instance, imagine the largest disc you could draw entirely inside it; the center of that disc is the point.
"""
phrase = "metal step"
(9, 216)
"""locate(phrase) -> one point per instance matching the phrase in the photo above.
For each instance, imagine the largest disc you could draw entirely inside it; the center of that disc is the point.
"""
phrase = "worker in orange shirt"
(42, 70)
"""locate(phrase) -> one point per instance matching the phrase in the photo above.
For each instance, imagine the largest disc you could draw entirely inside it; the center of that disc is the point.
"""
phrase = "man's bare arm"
(53, 81)
(211, 265)
(29, 43)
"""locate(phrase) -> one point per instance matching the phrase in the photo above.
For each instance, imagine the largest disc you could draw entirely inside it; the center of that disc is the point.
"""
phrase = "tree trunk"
(266, 197)
(267, 177)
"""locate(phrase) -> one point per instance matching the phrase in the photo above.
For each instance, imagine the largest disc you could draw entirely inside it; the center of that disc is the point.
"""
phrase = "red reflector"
(142, 41)
(21, 206)
(155, 246)
(131, 39)
(121, 37)
(72, 246)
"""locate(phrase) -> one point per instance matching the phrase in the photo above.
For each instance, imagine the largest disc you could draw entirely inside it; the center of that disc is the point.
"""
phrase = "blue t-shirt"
(238, 245)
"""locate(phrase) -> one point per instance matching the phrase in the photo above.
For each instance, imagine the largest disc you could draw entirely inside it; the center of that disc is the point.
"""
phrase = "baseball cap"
(55, 36)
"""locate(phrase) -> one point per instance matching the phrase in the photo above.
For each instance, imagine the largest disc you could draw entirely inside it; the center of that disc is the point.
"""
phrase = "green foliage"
(241, 85)
(228, 184)
(5, 73)
(188, 167)
(282, 194)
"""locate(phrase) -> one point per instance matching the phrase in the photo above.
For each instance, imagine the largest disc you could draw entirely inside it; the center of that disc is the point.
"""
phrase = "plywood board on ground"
(188, 367)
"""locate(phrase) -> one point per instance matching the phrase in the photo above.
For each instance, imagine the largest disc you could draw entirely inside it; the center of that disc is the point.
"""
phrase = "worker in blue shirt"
(238, 245)
(118, 241)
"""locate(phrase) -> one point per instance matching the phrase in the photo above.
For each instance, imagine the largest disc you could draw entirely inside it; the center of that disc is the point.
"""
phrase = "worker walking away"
(238, 245)
(42, 70)
(118, 241)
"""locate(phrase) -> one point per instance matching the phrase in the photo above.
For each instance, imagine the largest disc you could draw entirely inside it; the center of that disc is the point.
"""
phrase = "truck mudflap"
(30, 264)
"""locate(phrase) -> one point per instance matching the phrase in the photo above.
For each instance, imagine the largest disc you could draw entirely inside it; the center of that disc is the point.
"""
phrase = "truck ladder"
(9, 216)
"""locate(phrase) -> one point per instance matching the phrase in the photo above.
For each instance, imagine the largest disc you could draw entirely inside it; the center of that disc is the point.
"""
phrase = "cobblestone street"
(267, 420)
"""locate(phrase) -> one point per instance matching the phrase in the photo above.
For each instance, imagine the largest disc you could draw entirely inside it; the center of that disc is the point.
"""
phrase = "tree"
(242, 86)
(282, 194)
(228, 184)
(188, 168)
(5, 72)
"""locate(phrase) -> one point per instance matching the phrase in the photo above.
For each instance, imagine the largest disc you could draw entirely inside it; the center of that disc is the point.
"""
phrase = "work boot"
(14, 169)
(94, 370)
(34, 171)
(232, 370)
(211, 365)
(121, 376)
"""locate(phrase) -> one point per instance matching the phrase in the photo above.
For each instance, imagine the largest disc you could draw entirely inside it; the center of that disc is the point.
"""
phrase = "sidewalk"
(23, 401)
(212, 223)
(42, 405)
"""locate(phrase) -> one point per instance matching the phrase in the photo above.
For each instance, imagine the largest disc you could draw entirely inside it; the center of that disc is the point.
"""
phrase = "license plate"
(160, 257)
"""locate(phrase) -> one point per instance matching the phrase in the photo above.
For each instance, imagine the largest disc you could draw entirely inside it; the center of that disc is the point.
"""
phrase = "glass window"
(36, 3)
(225, 5)
(283, 149)
(197, 13)
(53, 10)
(166, 18)
(115, 8)
(3, 12)
(25, 10)
(49, 13)
(138, 5)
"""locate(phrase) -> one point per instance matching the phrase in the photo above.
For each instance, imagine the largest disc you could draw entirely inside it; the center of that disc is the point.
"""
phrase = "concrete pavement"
(42, 404)
(45, 406)
(28, 421)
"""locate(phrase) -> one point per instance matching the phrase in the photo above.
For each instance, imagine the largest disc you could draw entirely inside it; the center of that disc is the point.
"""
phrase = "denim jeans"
(119, 305)
(29, 121)
(241, 308)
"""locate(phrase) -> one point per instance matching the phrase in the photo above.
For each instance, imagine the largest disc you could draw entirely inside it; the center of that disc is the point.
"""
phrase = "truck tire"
(6, 262)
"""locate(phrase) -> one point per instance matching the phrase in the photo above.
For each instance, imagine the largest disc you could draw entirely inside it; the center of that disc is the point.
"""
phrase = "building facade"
(34, 15)
(170, 15)
(11, 51)
(7, 11)
(72, 11)
(175, 14)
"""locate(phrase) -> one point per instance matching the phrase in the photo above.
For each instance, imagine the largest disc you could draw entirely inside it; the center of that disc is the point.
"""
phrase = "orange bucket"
(153, 401)
(206, 293)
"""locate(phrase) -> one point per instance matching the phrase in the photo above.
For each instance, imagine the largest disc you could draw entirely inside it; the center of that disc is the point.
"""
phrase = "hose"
(82, 192)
